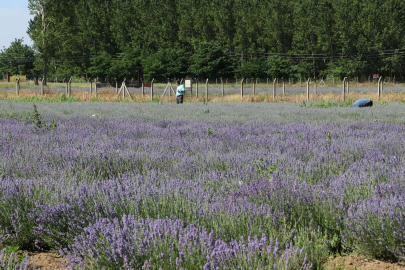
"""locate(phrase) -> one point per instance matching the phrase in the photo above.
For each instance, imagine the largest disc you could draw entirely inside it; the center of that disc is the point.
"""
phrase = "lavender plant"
(10, 261)
(170, 244)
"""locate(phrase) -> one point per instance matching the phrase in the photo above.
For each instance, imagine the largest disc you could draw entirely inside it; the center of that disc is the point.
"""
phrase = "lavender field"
(217, 186)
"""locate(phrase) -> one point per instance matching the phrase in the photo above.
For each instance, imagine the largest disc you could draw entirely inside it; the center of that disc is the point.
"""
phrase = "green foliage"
(13, 66)
(263, 170)
(124, 67)
(34, 118)
(326, 104)
(181, 37)
(209, 61)
(255, 68)
(10, 249)
(315, 243)
(346, 68)
(14, 115)
(278, 67)
(302, 70)
(208, 132)
(10, 258)
(63, 98)
(157, 99)
(39, 121)
(164, 64)
(100, 65)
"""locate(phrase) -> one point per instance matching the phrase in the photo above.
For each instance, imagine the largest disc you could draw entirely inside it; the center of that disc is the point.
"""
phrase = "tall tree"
(17, 59)
(38, 29)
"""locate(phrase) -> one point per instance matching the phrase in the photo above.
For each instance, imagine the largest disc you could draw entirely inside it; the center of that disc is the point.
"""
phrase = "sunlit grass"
(110, 96)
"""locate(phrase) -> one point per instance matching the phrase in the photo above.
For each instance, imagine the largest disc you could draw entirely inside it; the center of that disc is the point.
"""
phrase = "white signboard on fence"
(187, 84)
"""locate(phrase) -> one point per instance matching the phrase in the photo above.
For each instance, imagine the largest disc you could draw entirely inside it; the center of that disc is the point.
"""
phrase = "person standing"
(180, 92)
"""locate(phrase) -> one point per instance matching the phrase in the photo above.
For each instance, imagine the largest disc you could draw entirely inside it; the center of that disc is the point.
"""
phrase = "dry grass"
(110, 96)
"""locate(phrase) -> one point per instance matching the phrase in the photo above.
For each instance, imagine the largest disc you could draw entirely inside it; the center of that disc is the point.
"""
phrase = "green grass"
(326, 104)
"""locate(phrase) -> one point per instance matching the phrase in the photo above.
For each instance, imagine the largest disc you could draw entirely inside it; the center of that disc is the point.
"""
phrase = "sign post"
(188, 85)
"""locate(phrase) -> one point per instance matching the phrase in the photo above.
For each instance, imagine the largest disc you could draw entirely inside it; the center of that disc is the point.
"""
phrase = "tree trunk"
(44, 77)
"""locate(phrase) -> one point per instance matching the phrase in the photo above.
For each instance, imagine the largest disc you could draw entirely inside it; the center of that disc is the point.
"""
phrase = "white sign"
(187, 84)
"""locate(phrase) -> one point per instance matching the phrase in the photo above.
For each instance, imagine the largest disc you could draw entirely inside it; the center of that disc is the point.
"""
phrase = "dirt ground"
(361, 263)
(50, 261)
(47, 261)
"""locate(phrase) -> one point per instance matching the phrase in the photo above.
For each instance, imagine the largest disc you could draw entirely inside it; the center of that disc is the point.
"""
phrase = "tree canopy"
(17, 59)
(218, 38)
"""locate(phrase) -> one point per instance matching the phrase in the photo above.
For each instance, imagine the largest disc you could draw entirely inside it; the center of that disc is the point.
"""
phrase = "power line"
(290, 56)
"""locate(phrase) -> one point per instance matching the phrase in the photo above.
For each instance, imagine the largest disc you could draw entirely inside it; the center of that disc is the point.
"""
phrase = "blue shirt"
(180, 90)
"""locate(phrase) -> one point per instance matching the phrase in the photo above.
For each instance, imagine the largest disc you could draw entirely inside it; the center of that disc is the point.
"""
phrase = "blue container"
(364, 102)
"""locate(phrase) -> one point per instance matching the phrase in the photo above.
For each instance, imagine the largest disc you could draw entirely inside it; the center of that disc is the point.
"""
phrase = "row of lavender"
(188, 194)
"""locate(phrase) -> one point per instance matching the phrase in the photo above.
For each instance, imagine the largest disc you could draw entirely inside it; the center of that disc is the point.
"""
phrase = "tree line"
(215, 38)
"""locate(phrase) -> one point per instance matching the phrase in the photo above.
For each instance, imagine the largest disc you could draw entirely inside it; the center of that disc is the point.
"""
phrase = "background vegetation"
(228, 38)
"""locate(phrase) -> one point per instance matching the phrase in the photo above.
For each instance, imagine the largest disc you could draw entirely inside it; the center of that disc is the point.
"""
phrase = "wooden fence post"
(122, 86)
(393, 81)
(283, 88)
(274, 89)
(70, 87)
(67, 87)
(196, 87)
(382, 86)
(91, 86)
(241, 89)
(315, 86)
(348, 87)
(17, 87)
(344, 90)
(42, 87)
(95, 85)
(222, 87)
(169, 82)
(254, 87)
(143, 87)
(151, 90)
(116, 86)
(308, 88)
(191, 87)
(206, 91)
(379, 92)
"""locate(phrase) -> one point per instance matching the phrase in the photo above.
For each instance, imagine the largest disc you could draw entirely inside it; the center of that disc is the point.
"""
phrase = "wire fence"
(213, 87)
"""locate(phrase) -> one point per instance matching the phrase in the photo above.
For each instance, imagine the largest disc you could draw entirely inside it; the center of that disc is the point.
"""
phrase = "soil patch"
(47, 261)
(361, 263)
